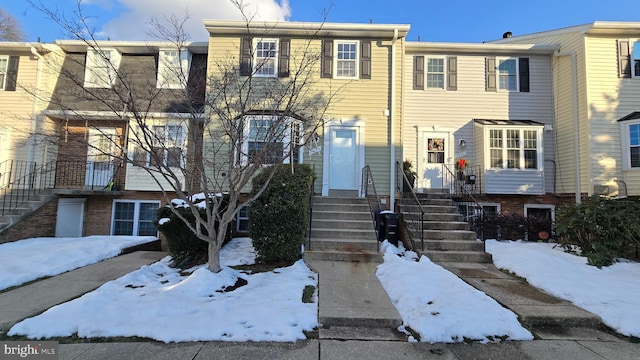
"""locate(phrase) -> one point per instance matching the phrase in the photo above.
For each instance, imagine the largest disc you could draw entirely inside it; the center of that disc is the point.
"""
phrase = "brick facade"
(40, 223)
(514, 204)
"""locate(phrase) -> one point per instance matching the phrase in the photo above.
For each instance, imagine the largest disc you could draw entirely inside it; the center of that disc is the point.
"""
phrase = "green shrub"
(602, 228)
(279, 216)
(183, 244)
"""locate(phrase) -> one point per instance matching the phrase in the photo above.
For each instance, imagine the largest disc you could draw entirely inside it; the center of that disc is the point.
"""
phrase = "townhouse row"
(541, 119)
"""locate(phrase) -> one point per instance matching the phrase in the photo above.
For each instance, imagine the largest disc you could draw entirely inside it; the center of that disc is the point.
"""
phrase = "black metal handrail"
(21, 181)
(311, 193)
(400, 186)
(365, 189)
(465, 197)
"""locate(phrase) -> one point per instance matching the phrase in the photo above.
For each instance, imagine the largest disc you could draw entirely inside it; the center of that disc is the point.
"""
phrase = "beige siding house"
(24, 87)
(359, 69)
(489, 104)
(597, 103)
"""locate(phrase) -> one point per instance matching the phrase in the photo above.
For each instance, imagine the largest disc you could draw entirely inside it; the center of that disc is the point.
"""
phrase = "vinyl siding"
(610, 98)
(16, 109)
(565, 130)
(363, 99)
(454, 111)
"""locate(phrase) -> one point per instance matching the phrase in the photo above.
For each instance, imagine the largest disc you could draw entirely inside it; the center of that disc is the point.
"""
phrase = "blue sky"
(449, 20)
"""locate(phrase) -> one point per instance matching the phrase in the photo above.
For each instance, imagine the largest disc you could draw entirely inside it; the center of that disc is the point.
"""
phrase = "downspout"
(34, 110)
(392, 162)
(576, 119)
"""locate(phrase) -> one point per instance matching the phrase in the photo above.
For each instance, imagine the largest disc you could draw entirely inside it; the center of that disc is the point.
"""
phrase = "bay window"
(514, 148)
(270, 139)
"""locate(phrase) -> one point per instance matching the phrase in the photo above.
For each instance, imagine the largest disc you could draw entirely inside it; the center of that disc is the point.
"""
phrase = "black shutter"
(365, 59)
(12, 73)
(523, 68)
(418, 73)
(246, 55)
(326, 62)
(624, 64)
(490, 74)
(452, 73)
(284, 53)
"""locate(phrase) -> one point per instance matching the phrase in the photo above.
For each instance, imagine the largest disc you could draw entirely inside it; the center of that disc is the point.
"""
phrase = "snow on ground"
(440, 306)
(612, 292)
(160, 303)
(31, 259)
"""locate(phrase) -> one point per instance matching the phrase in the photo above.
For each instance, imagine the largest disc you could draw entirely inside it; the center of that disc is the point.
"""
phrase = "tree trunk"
(214, 258)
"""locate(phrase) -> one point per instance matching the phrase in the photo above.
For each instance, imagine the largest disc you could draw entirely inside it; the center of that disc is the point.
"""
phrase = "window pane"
(123, 218)
(174, 157)
(346, 59)
(495, 149)
(435, 151)
(507, 74)
(634, 135)
(147, 213)
(530, 159)
(635, 156)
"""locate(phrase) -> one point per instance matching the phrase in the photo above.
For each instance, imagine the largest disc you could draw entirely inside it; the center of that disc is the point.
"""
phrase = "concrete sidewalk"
(29, 300)
(349, 293)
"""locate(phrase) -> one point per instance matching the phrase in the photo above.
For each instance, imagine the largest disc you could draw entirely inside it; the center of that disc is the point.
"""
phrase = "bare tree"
(9, 27)
(241, 123)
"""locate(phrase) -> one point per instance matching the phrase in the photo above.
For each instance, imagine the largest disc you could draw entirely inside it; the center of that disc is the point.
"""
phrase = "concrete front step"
(456, 245)
(430, 209)
(435, 217)
(448, 225)
(339, 208)
(458, 256)
(332, 215)
(449, 235)
(364, 256)
(341, 223)
(327, 244)
(325, 233)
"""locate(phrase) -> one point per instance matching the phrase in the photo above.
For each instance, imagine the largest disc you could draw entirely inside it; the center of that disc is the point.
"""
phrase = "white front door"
(100, 155)
(435, 153)
(70, 217)
(343, 159)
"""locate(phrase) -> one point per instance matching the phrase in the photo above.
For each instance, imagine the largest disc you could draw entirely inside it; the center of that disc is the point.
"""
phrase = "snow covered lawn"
(30, 259)
(159, 302)
(440, 306)
(612, 292)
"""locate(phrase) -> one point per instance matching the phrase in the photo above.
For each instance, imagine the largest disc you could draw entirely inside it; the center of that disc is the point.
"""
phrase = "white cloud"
(133, 23)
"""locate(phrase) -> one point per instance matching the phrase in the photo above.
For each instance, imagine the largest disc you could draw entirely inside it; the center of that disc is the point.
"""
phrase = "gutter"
(392, 162)
(576, 119)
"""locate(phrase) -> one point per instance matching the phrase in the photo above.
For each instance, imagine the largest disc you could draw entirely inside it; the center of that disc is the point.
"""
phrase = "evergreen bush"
(183, 244)
(279, 217)
(602, 228)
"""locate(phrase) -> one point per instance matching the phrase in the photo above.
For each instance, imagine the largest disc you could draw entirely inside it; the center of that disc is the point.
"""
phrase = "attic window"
(173, 69)
(101, 68)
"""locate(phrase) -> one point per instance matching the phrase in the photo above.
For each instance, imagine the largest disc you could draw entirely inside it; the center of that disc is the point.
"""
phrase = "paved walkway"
(339, 300)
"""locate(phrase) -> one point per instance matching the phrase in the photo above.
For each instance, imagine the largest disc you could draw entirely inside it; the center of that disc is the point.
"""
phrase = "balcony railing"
(21, 181)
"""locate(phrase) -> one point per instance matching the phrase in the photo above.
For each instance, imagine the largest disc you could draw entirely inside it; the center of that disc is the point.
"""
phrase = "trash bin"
(390, 232)
(387, 226)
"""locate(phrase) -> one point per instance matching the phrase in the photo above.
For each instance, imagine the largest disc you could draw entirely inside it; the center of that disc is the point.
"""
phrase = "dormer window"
(101, 68)
(173, 69)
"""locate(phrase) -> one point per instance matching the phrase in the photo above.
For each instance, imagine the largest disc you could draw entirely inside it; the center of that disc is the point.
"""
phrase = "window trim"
(242, 158)
(168, 77)
(111, 68)
(4, 72)
(521, 147)
(541, 206)
(146, 162)
(136, 215)
(634, 62)
(356, 74)
(500, 60)
(625, 129)
(443, 73)
(239, 219)
(258, 60)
